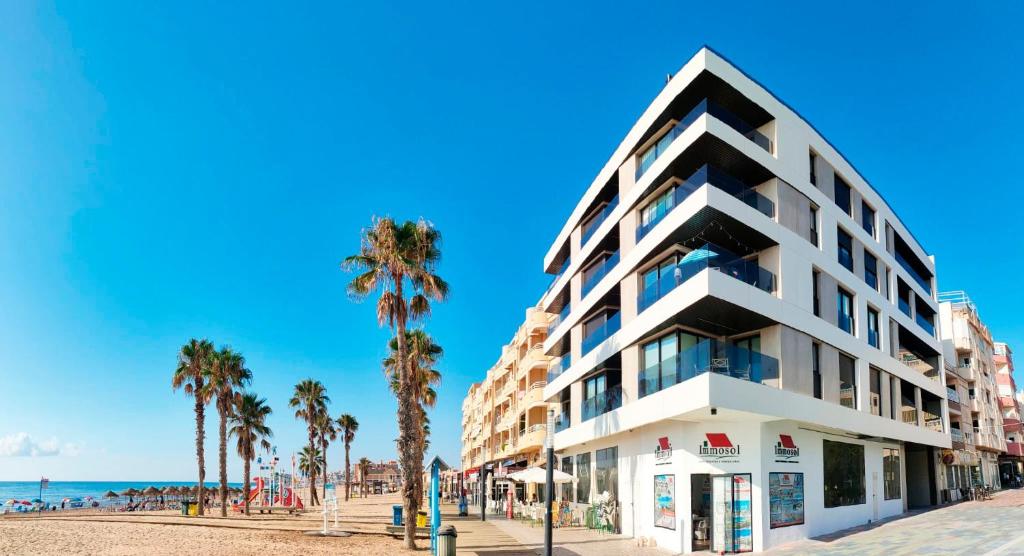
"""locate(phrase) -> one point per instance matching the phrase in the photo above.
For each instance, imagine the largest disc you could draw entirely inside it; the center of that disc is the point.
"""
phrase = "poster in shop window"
(786, 497)
(742, 522)
(665, 501)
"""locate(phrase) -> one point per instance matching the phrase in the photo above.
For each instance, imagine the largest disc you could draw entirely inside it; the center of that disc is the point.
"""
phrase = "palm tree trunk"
(348, 477)
(312, 466)
(323, 443)
(407, 429)
(222, 408)
(200, 439)
(245, 484)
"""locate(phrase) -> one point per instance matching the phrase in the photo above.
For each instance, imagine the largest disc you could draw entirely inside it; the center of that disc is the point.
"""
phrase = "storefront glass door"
(732, 525)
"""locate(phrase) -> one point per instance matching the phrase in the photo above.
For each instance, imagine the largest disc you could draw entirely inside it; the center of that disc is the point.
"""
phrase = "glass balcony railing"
(593, 225)
(957, 435)
(562, 315)
(555, 371)
(716, 177)
(562, 421)
(601, 333)
(708, 356)
(904, 306)
(561, 271)
(926, 324)
(705, 106)
(925, 284)
(600, 272)
(952, 395)
(709, 256)
(602, 403)
(909, 415)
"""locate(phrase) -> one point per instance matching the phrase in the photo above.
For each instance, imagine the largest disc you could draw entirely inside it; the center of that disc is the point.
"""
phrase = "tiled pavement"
(977, 528)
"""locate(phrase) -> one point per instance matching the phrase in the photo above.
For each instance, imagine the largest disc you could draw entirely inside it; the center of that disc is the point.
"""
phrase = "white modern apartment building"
(747, 332)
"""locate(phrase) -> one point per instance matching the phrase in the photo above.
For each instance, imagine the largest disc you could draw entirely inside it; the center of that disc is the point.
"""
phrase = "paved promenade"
(970, 528)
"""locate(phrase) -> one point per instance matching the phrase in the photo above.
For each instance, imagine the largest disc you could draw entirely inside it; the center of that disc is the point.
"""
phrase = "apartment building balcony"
(707, 356)
(957, 436)
(953, 400)
(932, 421)
(654, 151)
(712, 257)
(976, 405)
(908, 415)
(1012, 424)
(601, 332)
(533, 395)
(532, 437)
(602, 402)
(710, 175)
(556, 369)
(594, 274)
(562, 421)
(561, 316)
(1015, 449)
(595, 221)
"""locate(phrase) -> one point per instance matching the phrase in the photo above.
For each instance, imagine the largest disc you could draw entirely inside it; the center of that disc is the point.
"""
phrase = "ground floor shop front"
(742, 487)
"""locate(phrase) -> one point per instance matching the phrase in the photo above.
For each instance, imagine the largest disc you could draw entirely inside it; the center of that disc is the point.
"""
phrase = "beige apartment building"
(969, 339)
(1011, 464)
(504, 417)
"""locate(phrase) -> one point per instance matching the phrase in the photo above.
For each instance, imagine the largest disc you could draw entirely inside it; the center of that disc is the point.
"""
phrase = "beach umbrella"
(129, 492)
(151, 491)
(111, 494)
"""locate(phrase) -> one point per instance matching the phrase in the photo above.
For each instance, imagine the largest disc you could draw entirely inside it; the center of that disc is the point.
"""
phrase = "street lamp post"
(549, 441)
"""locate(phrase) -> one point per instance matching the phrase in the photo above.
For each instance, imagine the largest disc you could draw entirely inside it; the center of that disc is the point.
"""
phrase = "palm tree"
(310, 461)
(364, 468)
(328, 433)
(348, 426)
(392, 256)
(193, 366)
(249, 426)
(227, 375)
(423, 354)
(310, 400)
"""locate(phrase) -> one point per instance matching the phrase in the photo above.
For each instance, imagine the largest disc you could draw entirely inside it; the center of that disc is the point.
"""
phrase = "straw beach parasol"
(111, 494)
(151, 491)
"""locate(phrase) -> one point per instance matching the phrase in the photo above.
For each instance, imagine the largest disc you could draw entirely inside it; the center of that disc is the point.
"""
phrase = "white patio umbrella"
(540, 475)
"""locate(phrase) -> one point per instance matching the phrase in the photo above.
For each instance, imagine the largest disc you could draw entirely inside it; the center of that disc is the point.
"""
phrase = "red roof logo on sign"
(718, 440)
(787, 441)
(663, 443)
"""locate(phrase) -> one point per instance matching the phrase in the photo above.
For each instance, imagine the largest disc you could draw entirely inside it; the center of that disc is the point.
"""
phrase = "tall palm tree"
(310, 400)
(326, 430)
(395, 259)
(228, 375)
(364, 468)
(249, 426)
(423, 354)
(348, 426)
(190, 373)
(310, 461)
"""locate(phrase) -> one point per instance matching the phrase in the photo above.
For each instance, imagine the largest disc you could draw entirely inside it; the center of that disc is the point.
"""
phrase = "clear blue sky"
(198, 170)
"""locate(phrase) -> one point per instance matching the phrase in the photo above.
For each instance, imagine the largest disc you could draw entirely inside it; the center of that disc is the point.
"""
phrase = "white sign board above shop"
(785, 450)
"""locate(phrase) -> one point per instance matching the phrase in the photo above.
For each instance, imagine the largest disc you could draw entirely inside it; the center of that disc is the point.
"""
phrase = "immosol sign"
(718, 448)
(786, 451)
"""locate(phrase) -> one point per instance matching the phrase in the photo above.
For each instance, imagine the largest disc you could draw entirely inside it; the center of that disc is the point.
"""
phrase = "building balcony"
(921, 281)
(592, 225)
(713, 176)
(555, 370)
(532, 437)
(957, 435)
(1011, 424)
(1015, 449)
(562, 421)
(602, 333)
(600, 272)
(933, 422)
(559, 318)
(602, 403)
(927, 325)
(712, 257)
(533, 395)
(908, 415)
(708, 356)
(647, 158)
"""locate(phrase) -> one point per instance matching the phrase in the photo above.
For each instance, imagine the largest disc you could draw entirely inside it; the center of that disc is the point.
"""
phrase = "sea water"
(57, 491)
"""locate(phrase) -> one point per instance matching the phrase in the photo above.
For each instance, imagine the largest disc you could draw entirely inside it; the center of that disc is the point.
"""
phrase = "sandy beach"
(168, 532)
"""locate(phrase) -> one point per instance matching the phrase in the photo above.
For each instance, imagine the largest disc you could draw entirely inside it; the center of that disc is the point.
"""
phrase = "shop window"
(891, 472)
(843, 474)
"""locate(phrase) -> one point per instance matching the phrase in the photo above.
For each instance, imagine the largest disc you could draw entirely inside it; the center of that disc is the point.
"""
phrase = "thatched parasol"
(111, 494)
(171, 491)
(151, 491)
(130, 492)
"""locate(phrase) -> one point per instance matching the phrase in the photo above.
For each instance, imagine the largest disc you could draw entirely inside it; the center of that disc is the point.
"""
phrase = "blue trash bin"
(396, 515)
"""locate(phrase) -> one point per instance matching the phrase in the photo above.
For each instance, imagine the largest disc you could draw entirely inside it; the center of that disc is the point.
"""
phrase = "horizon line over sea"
(56, 491)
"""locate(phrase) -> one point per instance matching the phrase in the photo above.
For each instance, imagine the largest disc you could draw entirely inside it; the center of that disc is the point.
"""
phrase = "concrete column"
(629, 289)
(630, 374)
(829, 373)
(863, 374)
(886, 395)
(858, 257)
(827, 289)
(855, 205)
(894, 338)
(897, 397)
(918, 405)
(890, 243)
(576, 403)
